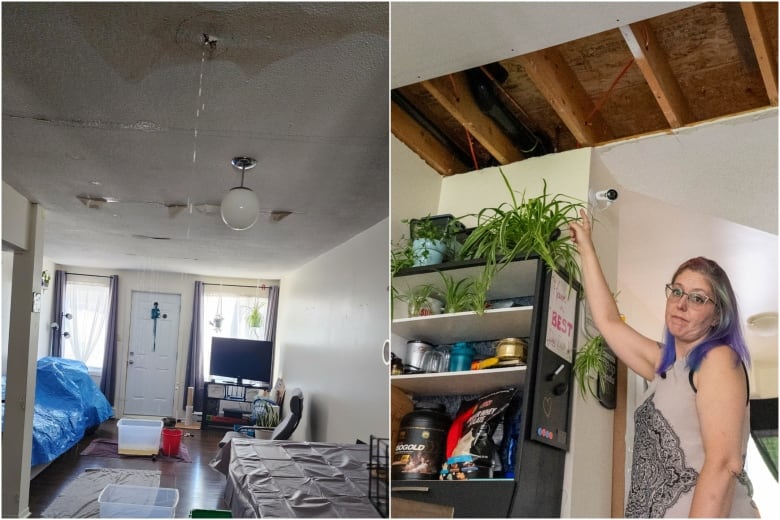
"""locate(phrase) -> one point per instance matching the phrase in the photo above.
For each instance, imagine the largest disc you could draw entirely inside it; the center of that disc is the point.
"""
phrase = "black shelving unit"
(545, 383)
(218, 396)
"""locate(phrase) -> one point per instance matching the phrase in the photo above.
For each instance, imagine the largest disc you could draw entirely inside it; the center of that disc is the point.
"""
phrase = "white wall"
(8, 271)
(411, 171)
(332, 325)
(591, 443)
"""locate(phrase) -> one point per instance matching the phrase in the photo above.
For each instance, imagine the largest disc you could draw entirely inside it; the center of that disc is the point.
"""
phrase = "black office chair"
(286, 428)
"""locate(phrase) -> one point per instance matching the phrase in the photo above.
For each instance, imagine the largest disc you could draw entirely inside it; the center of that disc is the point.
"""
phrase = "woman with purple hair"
(692, 428)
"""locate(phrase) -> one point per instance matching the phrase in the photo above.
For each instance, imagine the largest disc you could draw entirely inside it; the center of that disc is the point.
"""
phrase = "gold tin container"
(511, 348)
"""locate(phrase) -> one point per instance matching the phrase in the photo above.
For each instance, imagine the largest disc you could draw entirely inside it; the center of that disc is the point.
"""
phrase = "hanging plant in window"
(45, 279)
(254, 319)
(216, 322)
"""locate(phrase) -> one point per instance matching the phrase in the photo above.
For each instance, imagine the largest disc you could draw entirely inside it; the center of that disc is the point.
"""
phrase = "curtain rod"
(95, 275)
(244, 286)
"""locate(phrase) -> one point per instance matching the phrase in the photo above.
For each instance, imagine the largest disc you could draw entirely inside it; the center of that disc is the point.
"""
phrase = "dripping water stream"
(199, 107)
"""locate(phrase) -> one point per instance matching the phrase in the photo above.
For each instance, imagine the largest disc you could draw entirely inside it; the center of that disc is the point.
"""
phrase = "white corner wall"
(409, 171)
(565, 173)
(587, 480)
(333, 322)
(8, 271)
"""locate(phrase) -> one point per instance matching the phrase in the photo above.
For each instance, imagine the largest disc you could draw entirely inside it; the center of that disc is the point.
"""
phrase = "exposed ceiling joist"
(557, 82)
(650, 59)
(453, 93)
(762, 45)
(423, 143)
(698, 63)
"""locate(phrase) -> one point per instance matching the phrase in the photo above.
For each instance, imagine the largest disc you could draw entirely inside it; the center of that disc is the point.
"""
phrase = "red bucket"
(171, 439)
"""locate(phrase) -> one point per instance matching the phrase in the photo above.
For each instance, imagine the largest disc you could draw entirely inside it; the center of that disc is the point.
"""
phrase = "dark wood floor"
(200, 486)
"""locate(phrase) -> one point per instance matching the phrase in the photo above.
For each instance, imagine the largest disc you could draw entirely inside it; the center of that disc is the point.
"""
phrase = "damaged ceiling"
(121, 121)
(659, 74)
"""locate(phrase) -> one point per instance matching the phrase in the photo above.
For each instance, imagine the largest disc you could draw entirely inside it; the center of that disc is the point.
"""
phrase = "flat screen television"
(245, 360)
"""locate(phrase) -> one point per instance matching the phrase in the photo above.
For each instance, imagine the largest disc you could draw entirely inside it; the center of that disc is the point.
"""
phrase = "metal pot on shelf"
(511, 351)
(415, 350)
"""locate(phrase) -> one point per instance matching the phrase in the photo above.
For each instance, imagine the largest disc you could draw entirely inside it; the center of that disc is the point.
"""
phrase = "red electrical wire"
(609, 91)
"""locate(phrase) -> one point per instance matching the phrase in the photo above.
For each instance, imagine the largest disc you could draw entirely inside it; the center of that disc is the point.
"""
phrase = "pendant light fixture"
(240, 207)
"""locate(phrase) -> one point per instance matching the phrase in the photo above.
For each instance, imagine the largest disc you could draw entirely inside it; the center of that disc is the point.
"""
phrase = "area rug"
(80, 498)
(110, 448)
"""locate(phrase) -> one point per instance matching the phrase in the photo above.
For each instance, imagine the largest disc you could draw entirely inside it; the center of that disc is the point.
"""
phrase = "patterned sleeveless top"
(668, 452)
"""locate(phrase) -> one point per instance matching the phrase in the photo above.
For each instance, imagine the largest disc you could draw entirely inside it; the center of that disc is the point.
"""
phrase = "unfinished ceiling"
(677, 69)
(698, 189)
(121, 120)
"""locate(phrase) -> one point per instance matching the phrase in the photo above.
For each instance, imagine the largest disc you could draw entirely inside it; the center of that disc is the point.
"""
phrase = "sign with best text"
(561, 313)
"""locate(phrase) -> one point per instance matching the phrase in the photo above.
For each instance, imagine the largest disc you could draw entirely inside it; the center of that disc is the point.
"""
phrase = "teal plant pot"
(428, 252)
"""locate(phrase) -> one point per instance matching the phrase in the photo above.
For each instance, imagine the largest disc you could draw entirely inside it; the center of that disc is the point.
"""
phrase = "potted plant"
(421, 300)
(432, 240)
(589, 363)
(590, 366)
(458, 295)
(266, 418)
(521, 229)
(45, 279)
(254, 319)
(401, 256)
(479, 298)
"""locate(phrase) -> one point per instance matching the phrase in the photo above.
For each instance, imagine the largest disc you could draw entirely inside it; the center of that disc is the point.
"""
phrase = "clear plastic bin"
(123, 501)
(139, 436)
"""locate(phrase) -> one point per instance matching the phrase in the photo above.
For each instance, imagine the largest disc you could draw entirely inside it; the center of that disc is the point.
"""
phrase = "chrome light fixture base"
(240, 207)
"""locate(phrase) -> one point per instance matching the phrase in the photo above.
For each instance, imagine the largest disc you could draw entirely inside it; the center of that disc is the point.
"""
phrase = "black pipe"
(424, 122)
(530, 143)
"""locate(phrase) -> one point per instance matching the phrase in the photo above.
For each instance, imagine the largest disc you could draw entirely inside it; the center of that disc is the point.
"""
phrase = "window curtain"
(108, 375)
(270, 317)
(60, 279)
(89, 303)
(194, 376)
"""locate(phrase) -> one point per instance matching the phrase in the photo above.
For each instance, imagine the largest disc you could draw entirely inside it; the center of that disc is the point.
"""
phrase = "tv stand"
(227, 404)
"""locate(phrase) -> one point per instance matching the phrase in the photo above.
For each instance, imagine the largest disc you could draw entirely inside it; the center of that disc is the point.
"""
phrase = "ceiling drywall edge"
(436, 38)
(731, 165)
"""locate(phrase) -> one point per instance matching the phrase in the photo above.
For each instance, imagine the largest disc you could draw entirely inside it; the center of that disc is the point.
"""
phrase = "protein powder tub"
(422, 438)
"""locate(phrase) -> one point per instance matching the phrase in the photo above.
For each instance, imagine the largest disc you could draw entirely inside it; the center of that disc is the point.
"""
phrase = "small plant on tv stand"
(267, 415)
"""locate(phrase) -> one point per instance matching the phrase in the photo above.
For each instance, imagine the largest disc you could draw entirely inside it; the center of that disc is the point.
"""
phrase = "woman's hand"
(580, 231)
(638, 352)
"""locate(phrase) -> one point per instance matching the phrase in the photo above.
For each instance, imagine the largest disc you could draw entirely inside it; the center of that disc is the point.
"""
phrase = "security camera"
(609, 195)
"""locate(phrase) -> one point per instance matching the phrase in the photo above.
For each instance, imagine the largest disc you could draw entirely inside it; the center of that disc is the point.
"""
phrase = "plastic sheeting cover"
(67, 403)
(287, 479)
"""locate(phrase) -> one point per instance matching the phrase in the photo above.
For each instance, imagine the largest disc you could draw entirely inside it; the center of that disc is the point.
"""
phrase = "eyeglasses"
(696, 299)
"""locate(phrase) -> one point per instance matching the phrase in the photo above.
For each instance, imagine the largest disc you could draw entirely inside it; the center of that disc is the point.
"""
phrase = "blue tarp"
(67, 404)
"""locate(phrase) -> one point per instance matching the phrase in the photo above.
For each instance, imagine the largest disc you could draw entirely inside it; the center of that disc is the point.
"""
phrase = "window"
(84, 335)
(236, 306)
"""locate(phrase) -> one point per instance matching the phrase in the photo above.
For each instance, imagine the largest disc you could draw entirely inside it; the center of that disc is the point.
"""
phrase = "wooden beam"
(762, 45)
(619, 442)
(652, 61)
(430, 149)
(560, 86)
(453, 93)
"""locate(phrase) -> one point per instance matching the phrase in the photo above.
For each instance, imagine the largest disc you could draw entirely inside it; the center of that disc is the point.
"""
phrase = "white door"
(151, 359)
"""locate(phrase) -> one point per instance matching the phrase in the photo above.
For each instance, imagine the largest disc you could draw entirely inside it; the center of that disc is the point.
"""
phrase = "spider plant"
(482, 284)
(589, 364)
(458, 294)
(417, 298)
(522, 228)
(267, 416)
(254, 318)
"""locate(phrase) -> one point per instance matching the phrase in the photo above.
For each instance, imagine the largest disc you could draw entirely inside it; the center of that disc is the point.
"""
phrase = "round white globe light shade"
(240, 208)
